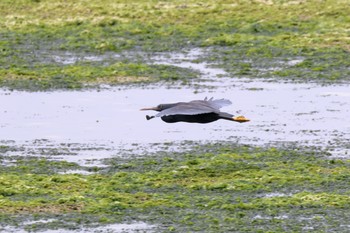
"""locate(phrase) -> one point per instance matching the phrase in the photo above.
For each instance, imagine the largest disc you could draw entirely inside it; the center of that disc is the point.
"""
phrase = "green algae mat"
(214, 188)
(246, 38)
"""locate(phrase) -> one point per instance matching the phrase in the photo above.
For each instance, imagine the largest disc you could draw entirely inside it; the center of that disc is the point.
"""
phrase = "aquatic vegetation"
(33, 31)
(85, 75)
(225, 188)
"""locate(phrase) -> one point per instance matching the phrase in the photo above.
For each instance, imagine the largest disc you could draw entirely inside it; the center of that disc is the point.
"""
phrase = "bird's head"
(159, 108)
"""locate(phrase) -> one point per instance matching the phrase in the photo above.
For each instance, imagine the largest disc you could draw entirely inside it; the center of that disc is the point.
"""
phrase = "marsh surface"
(77, 155)
(308, 114)
(87, 132)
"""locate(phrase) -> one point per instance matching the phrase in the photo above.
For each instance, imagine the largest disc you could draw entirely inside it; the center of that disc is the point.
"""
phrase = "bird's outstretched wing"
(186, 109)
(195, 107)
(217, 104)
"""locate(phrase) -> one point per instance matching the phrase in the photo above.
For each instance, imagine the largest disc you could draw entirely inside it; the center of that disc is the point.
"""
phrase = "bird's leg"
(240, 119)
(149, 117)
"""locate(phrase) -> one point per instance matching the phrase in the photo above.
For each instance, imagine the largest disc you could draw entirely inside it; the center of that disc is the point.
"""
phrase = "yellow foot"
(240, 119)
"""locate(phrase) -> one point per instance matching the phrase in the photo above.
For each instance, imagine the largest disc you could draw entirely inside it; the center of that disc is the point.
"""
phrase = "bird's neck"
(166, 106)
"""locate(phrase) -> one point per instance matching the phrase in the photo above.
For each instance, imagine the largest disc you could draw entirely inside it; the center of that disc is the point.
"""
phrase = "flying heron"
(196, 111)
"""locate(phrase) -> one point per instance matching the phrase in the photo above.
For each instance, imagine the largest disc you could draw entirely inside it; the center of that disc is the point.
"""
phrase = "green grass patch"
(85, 75)
(33, 31)
(224, 189)
(300, 65)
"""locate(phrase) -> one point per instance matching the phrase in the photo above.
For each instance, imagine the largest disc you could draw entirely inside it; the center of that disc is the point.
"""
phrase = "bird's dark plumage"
(196, 111)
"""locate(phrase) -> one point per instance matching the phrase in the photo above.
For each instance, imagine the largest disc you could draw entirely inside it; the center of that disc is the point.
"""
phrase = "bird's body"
(199, 118)
(196, 111)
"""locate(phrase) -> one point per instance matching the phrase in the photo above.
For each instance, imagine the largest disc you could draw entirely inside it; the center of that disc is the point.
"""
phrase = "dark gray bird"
(196, 111)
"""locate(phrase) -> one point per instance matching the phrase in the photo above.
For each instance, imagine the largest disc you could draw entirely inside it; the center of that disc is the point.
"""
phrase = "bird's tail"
(230, 117)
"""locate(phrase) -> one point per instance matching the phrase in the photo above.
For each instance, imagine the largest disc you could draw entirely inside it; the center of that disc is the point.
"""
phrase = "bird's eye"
(160, 107)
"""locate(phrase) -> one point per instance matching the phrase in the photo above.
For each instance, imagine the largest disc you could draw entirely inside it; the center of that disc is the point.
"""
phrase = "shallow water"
(111, 228)
(101, 124)
(278, 112)
(306, 114)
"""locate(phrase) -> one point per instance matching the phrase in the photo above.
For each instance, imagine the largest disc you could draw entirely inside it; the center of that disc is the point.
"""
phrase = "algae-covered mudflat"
(212, 188)
(249, 38)
(77, 155)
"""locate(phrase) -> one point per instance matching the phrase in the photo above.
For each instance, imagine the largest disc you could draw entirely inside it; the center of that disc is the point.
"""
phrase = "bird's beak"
(153, 108)
(240, 119)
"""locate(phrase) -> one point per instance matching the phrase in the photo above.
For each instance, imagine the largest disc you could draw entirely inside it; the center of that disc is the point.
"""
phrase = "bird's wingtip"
(149, 117)
(210, 99)
(222, 99)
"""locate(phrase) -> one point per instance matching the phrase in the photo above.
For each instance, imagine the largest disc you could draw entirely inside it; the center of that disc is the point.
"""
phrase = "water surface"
(306, 114)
